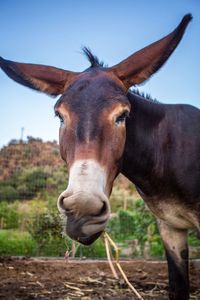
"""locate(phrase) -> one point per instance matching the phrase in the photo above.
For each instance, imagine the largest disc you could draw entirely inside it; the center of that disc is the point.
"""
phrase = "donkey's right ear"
(50, 80)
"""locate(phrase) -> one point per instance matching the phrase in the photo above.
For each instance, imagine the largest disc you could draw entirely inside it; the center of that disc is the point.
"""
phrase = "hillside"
(29, 169)
(25, 155)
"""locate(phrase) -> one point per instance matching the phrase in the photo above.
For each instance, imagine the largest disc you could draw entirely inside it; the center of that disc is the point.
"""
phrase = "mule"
(107, 129)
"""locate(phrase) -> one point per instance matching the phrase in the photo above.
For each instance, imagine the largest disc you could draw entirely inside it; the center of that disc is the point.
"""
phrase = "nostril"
(64, 203)
(103, 209)
(60, 203)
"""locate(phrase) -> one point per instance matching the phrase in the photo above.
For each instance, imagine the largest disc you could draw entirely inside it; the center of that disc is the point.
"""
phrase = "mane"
(148, 97)
(93, 59)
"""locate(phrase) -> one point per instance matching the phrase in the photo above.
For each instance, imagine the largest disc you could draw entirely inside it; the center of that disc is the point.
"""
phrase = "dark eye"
(121, 118)
(57, 114)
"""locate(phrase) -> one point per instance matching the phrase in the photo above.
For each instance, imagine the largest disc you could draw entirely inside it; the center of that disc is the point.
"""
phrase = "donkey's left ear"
(50, 80)
(142, 64)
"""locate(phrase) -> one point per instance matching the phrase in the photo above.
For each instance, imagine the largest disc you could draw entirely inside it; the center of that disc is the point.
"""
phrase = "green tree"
(8, 193)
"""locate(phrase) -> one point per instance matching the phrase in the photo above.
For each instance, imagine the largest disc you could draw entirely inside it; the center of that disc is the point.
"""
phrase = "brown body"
(105, 130)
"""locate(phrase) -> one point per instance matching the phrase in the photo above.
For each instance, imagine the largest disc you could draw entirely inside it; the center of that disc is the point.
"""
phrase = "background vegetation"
(31, 177)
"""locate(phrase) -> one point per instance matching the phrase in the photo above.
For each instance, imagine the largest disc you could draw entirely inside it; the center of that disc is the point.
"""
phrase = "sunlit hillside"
(18, 155)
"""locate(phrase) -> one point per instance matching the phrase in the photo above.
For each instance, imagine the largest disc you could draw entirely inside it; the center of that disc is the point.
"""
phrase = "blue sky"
(53, 32)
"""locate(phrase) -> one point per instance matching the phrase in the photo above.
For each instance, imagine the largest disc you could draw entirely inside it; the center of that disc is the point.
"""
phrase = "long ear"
(142, 64)
(50, 80)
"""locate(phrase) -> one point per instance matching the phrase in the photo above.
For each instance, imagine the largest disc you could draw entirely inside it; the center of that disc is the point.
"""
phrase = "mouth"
(83, 230)
(88, 240)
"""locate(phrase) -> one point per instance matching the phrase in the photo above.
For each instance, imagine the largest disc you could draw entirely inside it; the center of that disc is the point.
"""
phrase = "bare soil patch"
(52, 279)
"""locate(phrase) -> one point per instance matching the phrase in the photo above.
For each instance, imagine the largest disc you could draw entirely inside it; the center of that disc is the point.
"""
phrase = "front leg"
(176, 248)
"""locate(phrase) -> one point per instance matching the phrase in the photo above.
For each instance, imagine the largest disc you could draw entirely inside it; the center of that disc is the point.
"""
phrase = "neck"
(140, 159)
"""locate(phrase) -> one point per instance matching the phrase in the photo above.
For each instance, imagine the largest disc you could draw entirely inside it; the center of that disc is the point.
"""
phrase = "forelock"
(93, 59)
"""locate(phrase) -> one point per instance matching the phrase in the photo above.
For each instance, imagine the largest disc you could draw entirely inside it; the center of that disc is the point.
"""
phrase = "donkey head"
(92, 111)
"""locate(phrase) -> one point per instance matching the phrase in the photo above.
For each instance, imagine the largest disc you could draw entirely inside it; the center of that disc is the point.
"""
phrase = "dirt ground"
(52, 279)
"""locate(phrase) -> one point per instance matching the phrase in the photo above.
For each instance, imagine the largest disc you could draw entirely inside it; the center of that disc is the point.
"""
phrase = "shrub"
(96, 250)
(46, 228)
(137, 225)
(14, 242)
(126, 223)
(35, 181)
(13, 142)
(24, 184)
(31, 139)
(22, 190)
(8, 193)
(9, 217)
